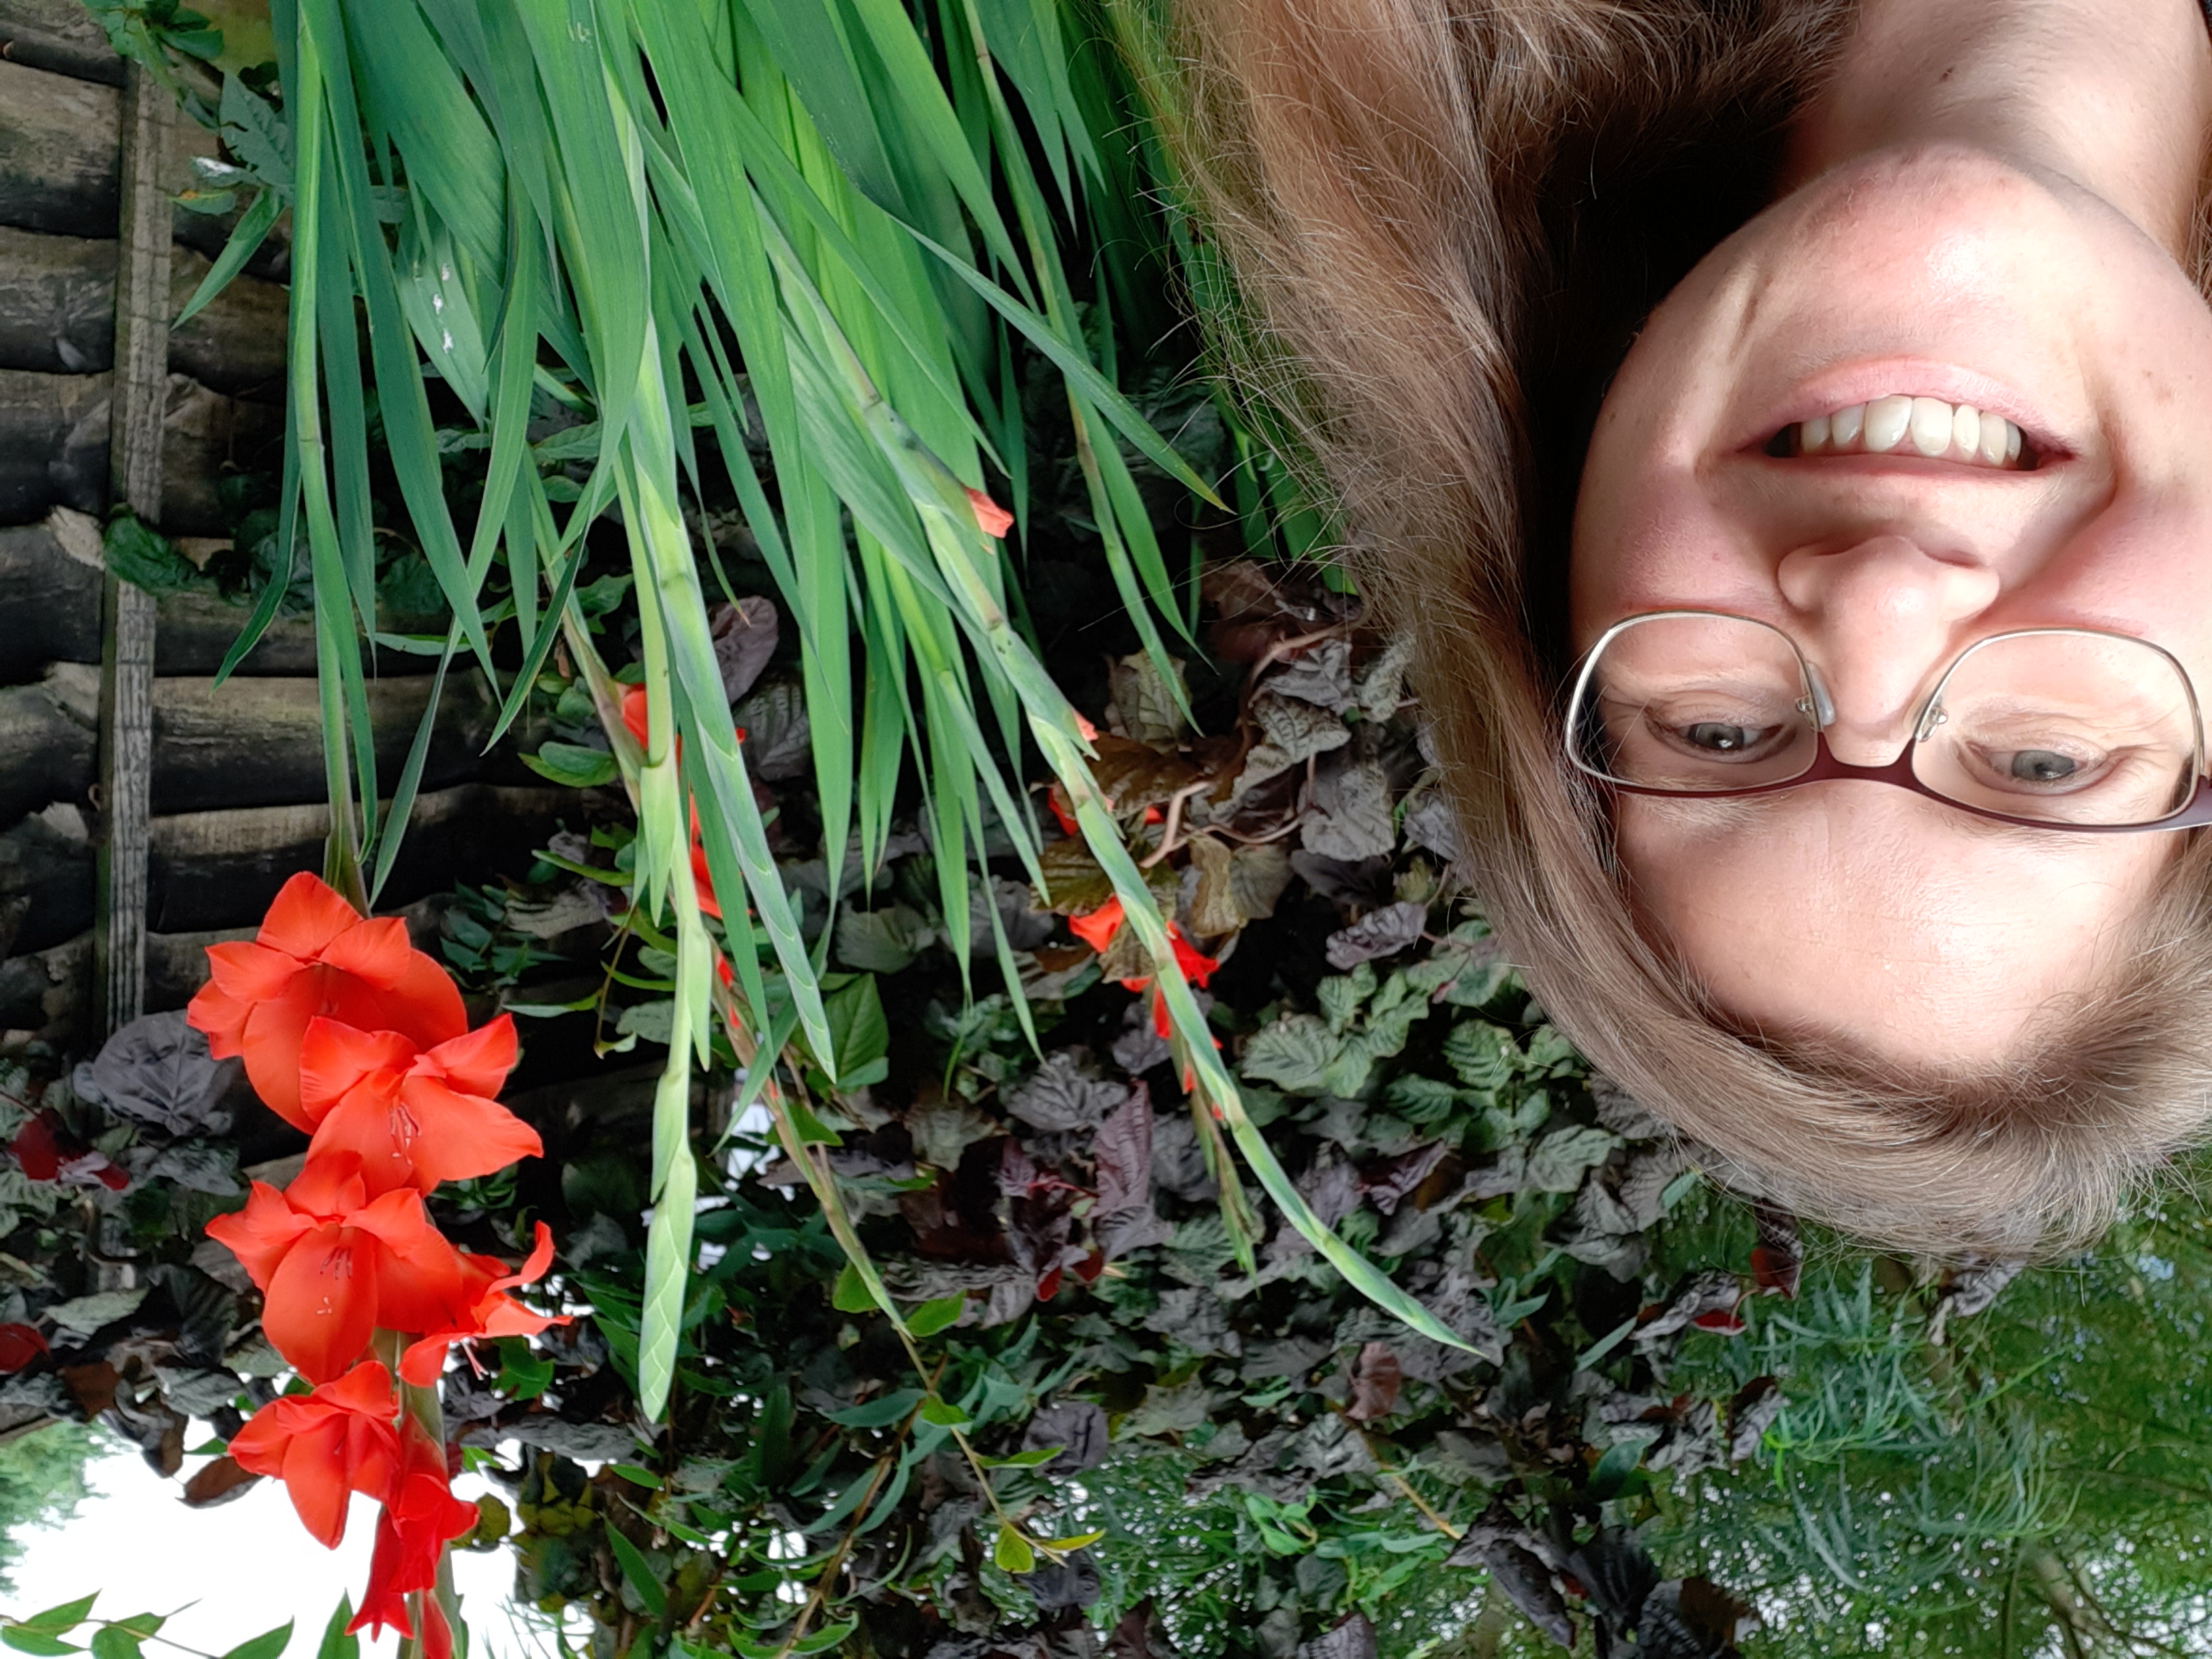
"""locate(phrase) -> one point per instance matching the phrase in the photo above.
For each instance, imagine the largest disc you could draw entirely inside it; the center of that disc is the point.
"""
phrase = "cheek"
(1648, 537)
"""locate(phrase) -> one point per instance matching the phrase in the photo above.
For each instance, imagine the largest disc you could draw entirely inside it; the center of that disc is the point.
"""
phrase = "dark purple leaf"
(745, 637)
(1077, 1427)
(1352, 1640)
(1381, 932)
(1374, 1384)
(1388, 1180)
(1123, 1152)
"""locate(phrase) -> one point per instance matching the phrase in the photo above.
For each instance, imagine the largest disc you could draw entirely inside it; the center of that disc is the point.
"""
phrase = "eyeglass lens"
(2061, 727)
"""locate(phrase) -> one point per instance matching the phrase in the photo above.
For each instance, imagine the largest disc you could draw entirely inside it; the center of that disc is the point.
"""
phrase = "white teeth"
(1930, 426)
(1922, 425)
(1885, 420)
(1997, 437)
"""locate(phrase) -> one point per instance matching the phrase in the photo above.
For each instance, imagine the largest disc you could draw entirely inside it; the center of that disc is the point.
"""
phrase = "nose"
(1879, 617)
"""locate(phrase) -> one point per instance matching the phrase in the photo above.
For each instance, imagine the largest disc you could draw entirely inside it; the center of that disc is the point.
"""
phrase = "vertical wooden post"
(139, 401)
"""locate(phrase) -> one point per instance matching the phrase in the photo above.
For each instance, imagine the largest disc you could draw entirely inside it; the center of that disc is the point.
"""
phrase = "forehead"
(1873, 916)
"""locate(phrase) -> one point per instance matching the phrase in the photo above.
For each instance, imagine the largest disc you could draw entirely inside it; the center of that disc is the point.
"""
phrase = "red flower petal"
(335, 1058)
(306, 915)
(36, 1148)
(635, 715)
(478, 1062)
(248, 973)
(374, 949)
(994, 519)
(220, 1015)
(262, 1233)
(22, 1344)
(462, 1135)
(1097, 928)
(321, 1304)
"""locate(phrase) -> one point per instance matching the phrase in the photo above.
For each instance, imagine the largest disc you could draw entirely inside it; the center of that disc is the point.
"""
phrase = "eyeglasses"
(2051, 728)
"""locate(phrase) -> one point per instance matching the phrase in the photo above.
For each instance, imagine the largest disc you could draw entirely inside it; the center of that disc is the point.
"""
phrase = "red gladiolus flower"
(703, 883)
(995, 521)
(484, 1309)
(1062, 809)
(333, 1265)
(634, 715)
(316, 955)
(414, 1116)
(1097, 928)
(19, 1346)
(325, 1445)
(421, 1515)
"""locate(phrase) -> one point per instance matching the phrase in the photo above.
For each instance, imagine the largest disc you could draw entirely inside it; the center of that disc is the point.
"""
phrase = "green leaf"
(267, 1645)
(860, 1030)
(54, 1621)
(144, 557)
(1294, 1053)
(637, 1476)
(574, 764)
(1619, 1463)
(1013, 1552)
(851, 1294)
(245, 239)
(639, 1572)
(936, 1410)
(931, 1317)
(34, 1641)
(828, 1636)
(879, 1413)
(1081, 1541)
(113, 1642)
(336, 1643)
(1022, 1460)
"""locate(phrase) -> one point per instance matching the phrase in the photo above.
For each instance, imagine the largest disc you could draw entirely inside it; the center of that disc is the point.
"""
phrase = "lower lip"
(1909, 377)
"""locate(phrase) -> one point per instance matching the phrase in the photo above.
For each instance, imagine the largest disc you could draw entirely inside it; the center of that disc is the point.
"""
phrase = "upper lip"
(1831, 389)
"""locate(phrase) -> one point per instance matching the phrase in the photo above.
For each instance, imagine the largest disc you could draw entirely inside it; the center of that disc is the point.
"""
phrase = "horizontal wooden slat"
(57, 315)
(50, 612)
(58, 35)
(220, 869)
(53, 447)
(256, 740)
(59, 147)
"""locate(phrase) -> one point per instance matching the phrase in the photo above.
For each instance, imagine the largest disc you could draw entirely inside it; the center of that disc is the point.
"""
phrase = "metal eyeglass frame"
(2194, 813)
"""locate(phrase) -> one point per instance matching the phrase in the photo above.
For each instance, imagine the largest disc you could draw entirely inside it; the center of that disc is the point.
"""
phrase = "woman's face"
(1848, 908)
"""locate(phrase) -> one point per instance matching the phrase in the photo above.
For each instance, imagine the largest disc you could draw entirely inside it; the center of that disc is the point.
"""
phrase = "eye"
(1718, 739)
(2040, 766)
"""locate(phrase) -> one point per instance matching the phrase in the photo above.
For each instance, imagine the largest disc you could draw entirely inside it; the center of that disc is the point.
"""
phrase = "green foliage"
(42, 1480)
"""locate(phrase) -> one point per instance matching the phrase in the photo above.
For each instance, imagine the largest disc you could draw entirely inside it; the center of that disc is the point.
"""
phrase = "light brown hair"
(1447, 219)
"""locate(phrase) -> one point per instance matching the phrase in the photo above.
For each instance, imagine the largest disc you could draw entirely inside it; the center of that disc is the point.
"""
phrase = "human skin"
(1988, 207)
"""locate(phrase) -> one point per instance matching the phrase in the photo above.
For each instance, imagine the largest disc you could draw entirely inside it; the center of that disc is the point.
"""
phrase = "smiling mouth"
(1924, 427)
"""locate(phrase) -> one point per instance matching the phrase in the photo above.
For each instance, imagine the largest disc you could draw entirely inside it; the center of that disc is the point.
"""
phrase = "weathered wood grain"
(251, 739)
(53, 447)
(50, 612)
(60, 164)
(57, 315)
(60, 36)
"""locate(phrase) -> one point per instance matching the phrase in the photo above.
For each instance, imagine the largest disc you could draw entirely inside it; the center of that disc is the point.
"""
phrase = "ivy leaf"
(1485, 1056)
(1557, 1163)
(1294, 1054)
